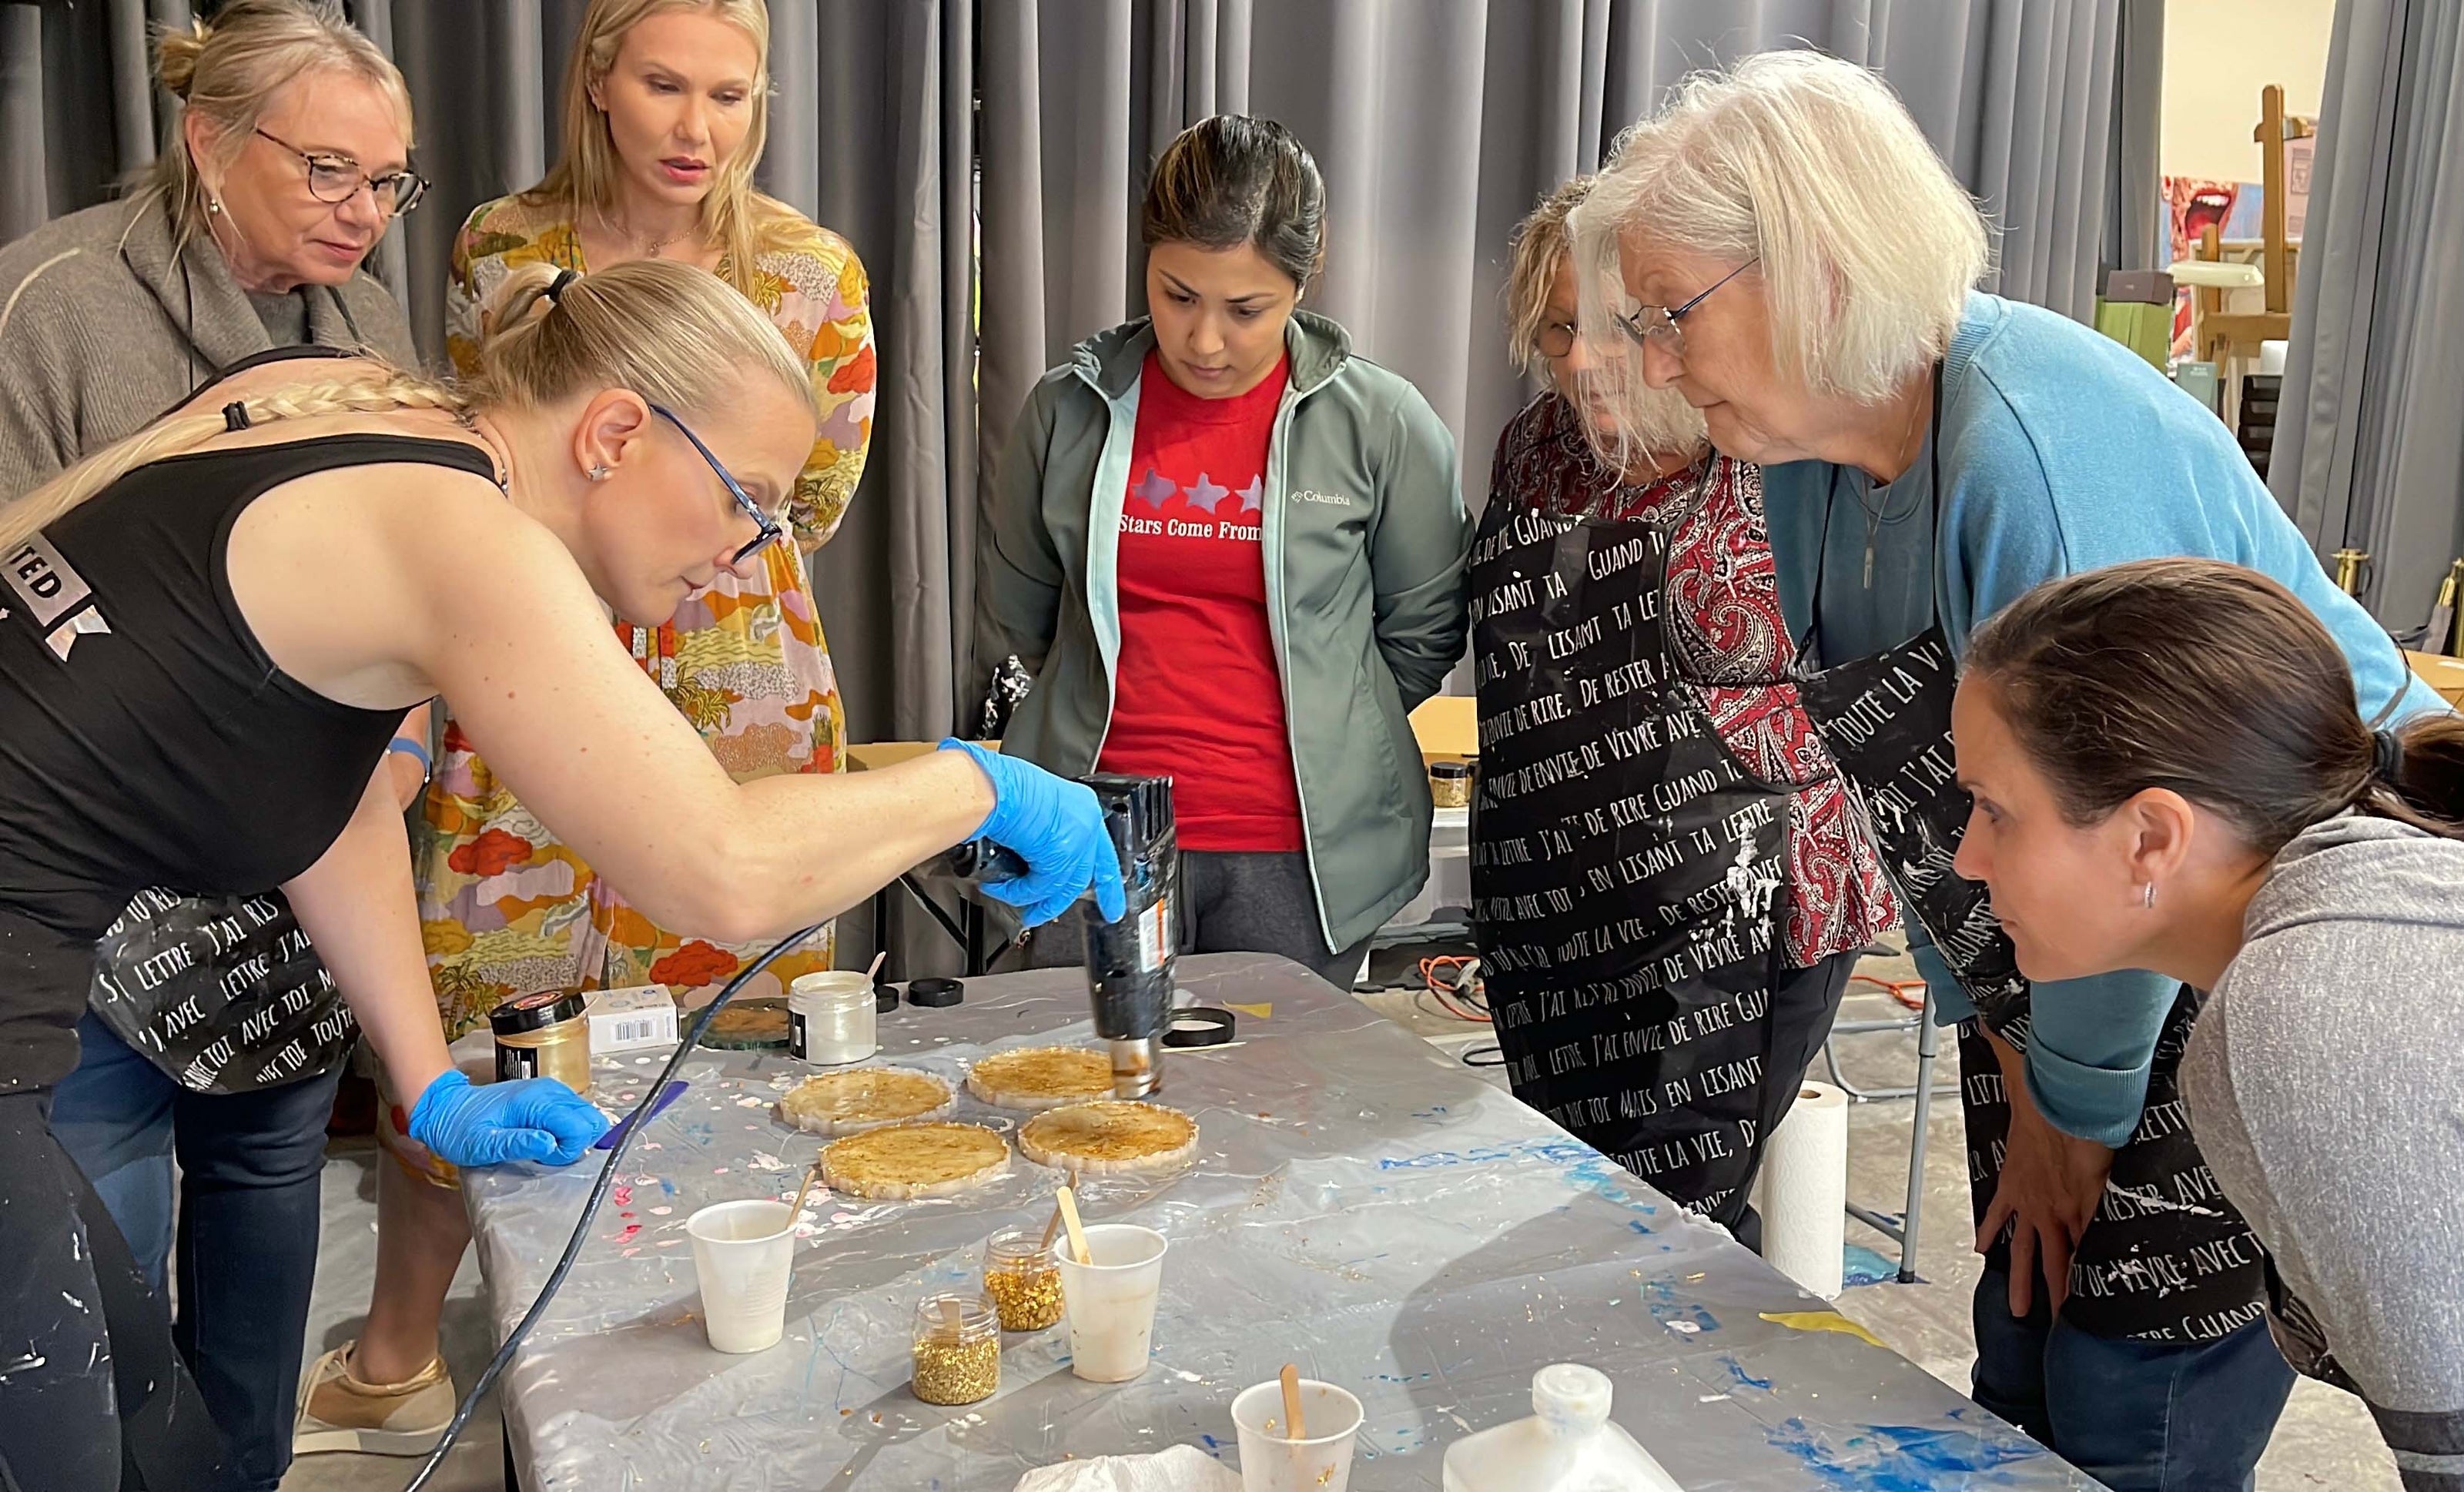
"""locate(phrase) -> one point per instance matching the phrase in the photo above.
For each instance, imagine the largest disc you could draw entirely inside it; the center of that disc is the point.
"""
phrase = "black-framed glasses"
(1648, 324)
(336, 178)
(771, 532)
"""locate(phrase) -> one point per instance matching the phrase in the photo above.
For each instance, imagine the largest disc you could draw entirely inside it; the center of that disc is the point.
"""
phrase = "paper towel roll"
(1805, 1190)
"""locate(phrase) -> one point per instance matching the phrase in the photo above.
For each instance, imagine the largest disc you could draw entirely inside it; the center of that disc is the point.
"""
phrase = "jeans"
(2138, 1416)
(247, 1224)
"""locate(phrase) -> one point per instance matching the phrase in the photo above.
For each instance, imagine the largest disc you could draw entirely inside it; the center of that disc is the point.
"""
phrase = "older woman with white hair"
(1654, 653)
(1783, 248)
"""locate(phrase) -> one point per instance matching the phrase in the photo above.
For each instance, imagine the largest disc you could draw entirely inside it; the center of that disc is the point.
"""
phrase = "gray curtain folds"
(986, 160)
(2369, 451)
(1439, 122)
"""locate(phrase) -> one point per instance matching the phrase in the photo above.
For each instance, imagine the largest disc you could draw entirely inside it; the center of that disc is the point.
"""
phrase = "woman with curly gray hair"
(1782, 248)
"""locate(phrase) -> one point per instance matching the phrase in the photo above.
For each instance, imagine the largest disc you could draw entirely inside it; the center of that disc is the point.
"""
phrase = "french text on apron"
(1628, 877)
(2166, 1258)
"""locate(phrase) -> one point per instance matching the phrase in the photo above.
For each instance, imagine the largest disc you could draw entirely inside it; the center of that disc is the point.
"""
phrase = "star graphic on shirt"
(1153, 489)
(1253, 498)
(1206, 495)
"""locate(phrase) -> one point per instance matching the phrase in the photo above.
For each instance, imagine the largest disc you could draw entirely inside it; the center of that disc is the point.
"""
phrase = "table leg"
(1928, 1051)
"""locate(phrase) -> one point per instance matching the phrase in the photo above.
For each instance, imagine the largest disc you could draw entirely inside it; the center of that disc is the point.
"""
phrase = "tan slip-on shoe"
(340, 1413)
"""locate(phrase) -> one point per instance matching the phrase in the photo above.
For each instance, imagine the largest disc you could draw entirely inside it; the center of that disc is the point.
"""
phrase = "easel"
(2219, 334)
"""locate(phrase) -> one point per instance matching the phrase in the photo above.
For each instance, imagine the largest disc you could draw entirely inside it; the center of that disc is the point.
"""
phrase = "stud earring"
(2147, 896)
(599, 474)
(215, 206)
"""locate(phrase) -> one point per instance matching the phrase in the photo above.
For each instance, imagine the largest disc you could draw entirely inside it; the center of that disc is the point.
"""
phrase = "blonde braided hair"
(669, 332)
(380, 390)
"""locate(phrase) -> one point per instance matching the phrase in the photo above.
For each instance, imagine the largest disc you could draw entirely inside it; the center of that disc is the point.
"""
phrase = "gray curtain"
(2369, 448)
(993, 247)
(1439, 122)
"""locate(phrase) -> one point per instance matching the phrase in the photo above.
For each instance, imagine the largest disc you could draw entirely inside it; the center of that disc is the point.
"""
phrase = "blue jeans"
(2135, 1416)
(247, 1225)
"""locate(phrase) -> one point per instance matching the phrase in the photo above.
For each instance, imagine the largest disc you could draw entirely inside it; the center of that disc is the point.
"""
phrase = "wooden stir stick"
(1070, 1220)
(1291, 1376)
(1054, 1226)
(797, 1210)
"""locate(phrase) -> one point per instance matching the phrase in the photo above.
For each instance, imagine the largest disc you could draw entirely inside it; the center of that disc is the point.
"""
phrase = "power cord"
(590, 1209)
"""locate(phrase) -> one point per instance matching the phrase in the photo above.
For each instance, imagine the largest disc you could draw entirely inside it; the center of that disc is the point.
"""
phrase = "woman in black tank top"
(234, 606)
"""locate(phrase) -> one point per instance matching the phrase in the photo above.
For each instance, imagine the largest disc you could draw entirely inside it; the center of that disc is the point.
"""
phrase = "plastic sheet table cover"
(1360, 1205)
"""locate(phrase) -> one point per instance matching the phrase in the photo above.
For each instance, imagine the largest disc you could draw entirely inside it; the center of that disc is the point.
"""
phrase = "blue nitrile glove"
(1057, 827)
(527, 1119)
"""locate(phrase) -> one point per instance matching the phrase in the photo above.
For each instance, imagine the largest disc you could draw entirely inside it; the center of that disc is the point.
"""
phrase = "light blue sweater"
(2061, 452)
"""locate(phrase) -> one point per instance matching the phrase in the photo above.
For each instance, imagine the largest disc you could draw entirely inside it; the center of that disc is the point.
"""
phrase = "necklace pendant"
(1869, 564)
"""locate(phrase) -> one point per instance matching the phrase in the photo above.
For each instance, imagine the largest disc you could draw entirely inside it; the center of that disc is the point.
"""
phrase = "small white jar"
(830, 1018)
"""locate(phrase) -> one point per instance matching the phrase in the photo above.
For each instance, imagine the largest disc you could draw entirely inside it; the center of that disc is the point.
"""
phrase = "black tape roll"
(933, 994)
(1199, 1025)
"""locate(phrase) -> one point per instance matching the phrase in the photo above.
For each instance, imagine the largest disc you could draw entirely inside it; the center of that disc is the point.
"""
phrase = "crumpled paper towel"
(1183, 1468)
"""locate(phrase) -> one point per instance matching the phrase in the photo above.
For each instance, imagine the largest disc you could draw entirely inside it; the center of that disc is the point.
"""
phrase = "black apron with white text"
(2166, 1259)
(1629, 879)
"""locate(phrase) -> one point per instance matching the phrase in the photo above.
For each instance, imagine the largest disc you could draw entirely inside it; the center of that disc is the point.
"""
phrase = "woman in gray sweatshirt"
(2169, 774)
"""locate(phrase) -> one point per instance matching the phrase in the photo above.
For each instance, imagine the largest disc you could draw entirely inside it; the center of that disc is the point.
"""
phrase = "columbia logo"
(1330, 499)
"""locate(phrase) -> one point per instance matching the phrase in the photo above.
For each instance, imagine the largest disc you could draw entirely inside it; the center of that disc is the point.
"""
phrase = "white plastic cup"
(1272, 1463)
(742, 1252)
(1111, 1301)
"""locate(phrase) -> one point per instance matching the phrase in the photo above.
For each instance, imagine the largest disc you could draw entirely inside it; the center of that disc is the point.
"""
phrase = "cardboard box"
(2442, 674)
(871, 756)
(1448, 728)
(632, 1018)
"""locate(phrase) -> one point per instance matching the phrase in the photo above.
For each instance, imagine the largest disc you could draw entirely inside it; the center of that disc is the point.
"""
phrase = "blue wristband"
(417, 751)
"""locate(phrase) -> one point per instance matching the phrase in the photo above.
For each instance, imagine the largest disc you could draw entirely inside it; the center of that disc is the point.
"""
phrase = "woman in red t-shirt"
(1231, 550)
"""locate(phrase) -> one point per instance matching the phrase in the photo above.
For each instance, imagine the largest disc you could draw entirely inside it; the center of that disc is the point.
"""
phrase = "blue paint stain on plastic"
(1905, 1458)
(1745, 1379)
(1861, 1266)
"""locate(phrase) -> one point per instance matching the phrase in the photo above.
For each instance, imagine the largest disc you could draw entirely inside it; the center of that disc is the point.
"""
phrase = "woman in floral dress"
(665, 113)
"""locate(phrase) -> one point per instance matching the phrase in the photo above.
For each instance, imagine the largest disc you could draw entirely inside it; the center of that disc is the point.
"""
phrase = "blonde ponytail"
(380, 389)
(671, 332)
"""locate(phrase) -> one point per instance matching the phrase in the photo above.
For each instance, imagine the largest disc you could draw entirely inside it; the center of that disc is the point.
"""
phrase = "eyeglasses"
(337, 179)
(1555, 339)
(771, 532)
(1648, 324)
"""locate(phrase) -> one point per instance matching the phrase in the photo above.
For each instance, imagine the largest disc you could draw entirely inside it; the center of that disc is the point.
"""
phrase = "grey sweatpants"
(1230, 903)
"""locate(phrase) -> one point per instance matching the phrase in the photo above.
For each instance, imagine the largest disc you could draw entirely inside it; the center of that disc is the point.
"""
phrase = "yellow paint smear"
(1820, 1321)
(1262, 1012)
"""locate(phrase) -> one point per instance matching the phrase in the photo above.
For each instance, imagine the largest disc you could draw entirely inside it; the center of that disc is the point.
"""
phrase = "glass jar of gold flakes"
(957, 1350)
(1023, 1279)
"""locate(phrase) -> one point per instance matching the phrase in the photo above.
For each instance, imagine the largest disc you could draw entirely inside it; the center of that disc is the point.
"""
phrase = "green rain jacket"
(1365, 542)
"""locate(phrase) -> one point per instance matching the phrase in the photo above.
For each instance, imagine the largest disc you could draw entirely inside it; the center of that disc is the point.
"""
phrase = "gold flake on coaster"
(864, 1098)
(1109, 1138)
(910, 1160)
(1034, 1078)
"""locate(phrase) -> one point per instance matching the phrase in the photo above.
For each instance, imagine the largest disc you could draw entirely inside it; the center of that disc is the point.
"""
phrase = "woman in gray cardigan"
(251, 233)
(2169, 774)
(1231, 550)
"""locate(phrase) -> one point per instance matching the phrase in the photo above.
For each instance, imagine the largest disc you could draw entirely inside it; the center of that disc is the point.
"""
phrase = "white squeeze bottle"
(1568, 1444)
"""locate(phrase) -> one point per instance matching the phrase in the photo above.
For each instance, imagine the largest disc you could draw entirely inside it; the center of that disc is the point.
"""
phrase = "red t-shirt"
(1196, 694)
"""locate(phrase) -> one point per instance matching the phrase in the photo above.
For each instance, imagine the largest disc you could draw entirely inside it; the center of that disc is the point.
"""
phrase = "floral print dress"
(505, 908)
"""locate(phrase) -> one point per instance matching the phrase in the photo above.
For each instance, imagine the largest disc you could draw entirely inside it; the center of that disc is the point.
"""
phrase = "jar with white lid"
(830, 1017)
